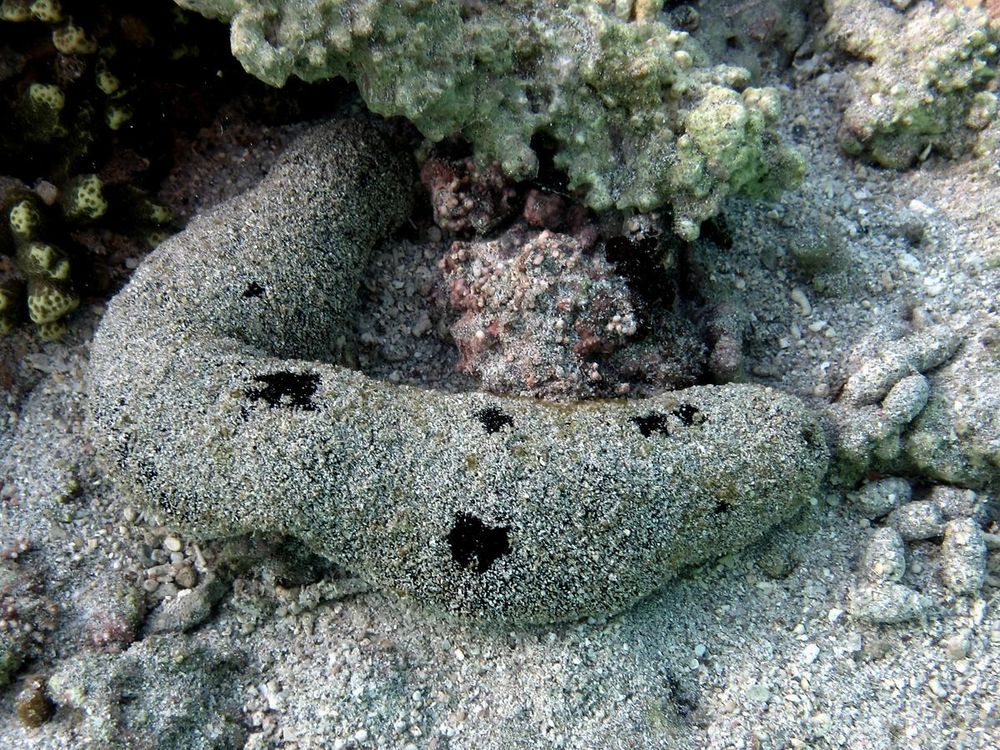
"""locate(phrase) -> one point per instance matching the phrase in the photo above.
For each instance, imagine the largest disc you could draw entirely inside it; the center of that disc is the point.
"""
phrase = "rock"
(188, 609)
(963, 556)
(920, 519)
(877, 498)
(956, 502)
(885, 556)
(886, 603)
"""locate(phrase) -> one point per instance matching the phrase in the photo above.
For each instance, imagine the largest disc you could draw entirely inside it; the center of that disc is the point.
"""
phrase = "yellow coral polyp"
(48, 260)
(73, 40)
(49, 11)
(8, 301)
(116, 116)
(159, 214)
(48, 302)
(24, 219)
(47, 95)
(85, 200)
(107, 81)
(53, 330)
(15, 10)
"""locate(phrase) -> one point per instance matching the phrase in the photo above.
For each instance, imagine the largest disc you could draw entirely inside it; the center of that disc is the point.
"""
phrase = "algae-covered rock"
(926, 80)
(639, 116)
(217, 402)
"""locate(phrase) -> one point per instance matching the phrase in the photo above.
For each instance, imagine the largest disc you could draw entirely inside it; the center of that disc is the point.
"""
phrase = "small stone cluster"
(954, 515)
(883, 397)
(27, 615)
(466, 197)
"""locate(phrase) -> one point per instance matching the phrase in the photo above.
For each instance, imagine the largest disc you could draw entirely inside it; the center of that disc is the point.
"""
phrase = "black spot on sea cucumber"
(654, 421)
(493, 419)
(253, 290)
(687, 414)
(289, 389)
(472, 542)
(721, 507)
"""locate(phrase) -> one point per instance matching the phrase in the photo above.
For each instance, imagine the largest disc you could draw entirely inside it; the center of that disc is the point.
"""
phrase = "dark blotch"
(687, 414)
(473, 543)
(493, 419)
(253, 290)
(291, 389)
(812, 439)
(721, 507)
(655, 421)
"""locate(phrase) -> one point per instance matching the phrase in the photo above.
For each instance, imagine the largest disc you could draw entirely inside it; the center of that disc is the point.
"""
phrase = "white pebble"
(810, 653)
(800, 299)
(172, 544)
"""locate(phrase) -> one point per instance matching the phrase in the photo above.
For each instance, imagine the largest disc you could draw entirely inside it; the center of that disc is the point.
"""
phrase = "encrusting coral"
(927, 81)
(218, 401)
(636, 114)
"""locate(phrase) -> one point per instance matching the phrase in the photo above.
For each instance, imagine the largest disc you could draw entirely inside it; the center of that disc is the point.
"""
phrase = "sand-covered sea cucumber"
(217, 399)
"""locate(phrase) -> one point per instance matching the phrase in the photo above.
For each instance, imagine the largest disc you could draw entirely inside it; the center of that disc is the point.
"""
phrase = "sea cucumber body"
(216, 400)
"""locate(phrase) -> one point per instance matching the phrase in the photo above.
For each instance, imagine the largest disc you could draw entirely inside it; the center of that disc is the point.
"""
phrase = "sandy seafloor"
(728, 656)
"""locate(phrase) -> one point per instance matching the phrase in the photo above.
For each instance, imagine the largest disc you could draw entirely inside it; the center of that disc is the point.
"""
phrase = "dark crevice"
(654, 421)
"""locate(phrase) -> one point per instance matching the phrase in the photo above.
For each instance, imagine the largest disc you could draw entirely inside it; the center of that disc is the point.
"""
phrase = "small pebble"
(957, 646)
(920, 519)
(878, 498)
(172, 544)
(810, 653)
(32, 704)
(186, 577)
(963, 556)
(885, 556)
(887, 602)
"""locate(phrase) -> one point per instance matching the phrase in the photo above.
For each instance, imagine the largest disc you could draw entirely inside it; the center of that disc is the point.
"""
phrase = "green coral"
(925, 84)
(638, 115)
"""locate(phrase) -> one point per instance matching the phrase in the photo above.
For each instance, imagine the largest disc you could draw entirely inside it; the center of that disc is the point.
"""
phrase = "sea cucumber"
(218, 399)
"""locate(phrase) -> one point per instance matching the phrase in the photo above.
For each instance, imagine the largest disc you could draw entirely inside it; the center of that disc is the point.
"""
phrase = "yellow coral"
(15, 10)
(47, 95)
(49, 11)
(48, 302)
(84, 199)
(24, 219)
(73, 40)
